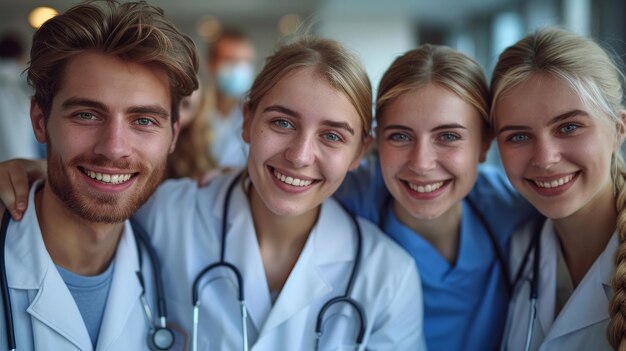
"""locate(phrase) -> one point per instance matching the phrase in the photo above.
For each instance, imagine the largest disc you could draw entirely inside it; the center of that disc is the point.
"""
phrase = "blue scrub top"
(465, 305)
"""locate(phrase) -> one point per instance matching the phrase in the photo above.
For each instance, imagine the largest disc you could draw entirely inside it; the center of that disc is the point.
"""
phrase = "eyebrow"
(553, 120)
(440, 127)
(150, 110)
(292, 113)
(82, 102)
(145, 109)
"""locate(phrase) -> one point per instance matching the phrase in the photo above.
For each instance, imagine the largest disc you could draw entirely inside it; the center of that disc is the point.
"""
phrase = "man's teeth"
(429, 188)
(108, 178)
(554, 183)
(291, 180)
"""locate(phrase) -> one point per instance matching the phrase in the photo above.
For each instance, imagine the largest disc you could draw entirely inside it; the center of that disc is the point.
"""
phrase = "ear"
(175, 133)
(363, 149)
(247, 121)
(487, 138)
(38, 121)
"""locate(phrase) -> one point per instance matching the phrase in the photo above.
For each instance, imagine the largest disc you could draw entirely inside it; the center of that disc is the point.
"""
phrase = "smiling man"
(108, 79)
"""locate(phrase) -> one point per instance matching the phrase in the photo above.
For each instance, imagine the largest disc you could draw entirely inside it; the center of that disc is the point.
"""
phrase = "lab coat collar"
(307, 281)
(547, 275)
(54, 305)
(125, 290)
(591, 296)
(29, 267)
(242, 248)
(27, 251)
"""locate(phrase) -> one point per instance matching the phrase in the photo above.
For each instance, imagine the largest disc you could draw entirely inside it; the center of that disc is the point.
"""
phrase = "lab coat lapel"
(242, 250)
(592, 291)
(308, 280)
(54, 308)
(124, 291)
(547, 275)
(30, 267)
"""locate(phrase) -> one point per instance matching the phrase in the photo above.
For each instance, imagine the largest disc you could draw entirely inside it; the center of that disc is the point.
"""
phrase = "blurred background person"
(230, 65)
(16, 135)
(192, 157)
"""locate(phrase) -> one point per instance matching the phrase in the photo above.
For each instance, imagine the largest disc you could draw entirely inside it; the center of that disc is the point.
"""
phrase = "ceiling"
(270, 10)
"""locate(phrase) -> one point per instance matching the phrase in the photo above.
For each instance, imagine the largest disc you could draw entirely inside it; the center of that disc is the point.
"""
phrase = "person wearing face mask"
(230, 65)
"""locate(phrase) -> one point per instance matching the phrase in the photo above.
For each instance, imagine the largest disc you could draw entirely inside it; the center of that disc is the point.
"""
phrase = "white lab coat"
(582, 323)
(44, 312)
(186, 227)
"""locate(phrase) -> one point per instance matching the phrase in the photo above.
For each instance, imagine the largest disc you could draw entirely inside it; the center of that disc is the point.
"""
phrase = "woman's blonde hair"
(192, 156)
(133, 31)
(590, 72)
(439, 65)
(339, 67)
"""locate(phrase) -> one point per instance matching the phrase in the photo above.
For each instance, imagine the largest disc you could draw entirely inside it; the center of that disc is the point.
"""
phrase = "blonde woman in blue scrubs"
(427, 192)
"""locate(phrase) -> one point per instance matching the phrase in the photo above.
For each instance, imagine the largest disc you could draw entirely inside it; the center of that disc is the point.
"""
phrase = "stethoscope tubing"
(345, 298)
(196, 287)
(6, 297)
(141, 238)
(535, 246)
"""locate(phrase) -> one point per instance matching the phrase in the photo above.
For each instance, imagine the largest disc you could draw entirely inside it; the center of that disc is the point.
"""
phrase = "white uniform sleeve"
(400, 325)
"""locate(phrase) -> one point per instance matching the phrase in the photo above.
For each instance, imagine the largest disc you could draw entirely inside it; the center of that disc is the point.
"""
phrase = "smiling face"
(304, 136)
(556, 153)
(108, 135)
(430, 143)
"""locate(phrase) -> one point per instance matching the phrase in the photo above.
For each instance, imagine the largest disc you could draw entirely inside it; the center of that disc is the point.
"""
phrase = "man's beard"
(96, 206)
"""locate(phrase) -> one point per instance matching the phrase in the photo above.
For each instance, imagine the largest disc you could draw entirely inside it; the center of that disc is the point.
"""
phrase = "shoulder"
(384, 254)
(491, 181)
(176, 200)
(363, 191)
(184, 192)
(495, 197)
(175, 189)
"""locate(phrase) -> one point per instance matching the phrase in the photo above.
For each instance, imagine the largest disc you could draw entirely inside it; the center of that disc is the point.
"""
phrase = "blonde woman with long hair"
(559, 118)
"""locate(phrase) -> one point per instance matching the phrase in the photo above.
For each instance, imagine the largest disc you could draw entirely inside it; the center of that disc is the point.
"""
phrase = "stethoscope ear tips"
(161, 339)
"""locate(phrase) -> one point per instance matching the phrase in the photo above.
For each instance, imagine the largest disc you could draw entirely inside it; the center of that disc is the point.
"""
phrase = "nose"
(423, 157)
(114, 140)
(546, 154)
(301, 151)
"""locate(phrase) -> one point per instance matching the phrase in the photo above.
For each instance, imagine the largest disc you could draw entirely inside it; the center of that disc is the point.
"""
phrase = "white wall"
(377, 40)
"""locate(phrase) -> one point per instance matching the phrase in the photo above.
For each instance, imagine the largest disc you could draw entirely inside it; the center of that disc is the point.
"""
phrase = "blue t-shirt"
(90, 294)
(465, 305)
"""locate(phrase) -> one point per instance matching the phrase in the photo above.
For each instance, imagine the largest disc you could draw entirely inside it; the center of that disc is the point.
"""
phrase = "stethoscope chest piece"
(161, 339)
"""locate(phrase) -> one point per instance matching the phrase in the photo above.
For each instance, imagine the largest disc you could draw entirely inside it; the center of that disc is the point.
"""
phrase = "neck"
(585, 234)
(225, 104)
(77, 245)
(441, 232)
(281, 239)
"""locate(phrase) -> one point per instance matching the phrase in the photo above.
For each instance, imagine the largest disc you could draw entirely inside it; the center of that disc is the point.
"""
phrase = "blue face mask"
(234, 79)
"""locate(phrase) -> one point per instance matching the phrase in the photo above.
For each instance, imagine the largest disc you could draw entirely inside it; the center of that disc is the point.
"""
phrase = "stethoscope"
(319, 330)
(535, 246)
(160, 337)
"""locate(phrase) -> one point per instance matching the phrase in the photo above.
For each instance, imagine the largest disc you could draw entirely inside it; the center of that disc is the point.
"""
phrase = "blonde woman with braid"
(559, 117)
